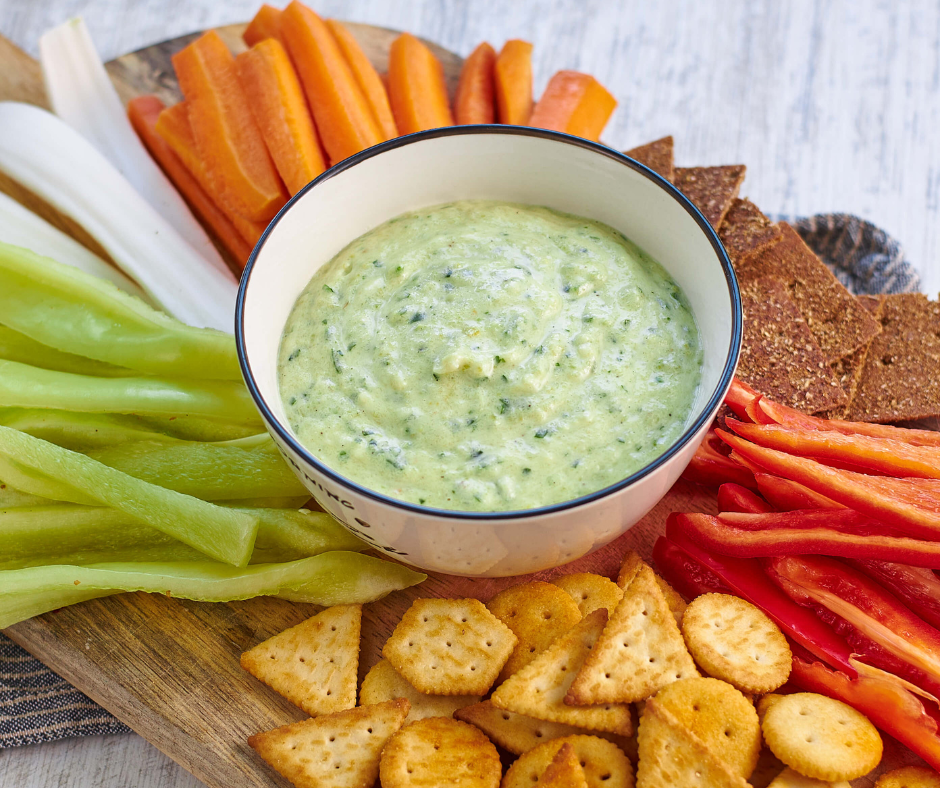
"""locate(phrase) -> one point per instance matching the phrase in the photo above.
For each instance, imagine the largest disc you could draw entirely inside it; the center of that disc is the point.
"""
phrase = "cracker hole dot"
(329, 692)
(606, 675)
(333, 628)
(547, 615)
(332, 738)
(506, 717)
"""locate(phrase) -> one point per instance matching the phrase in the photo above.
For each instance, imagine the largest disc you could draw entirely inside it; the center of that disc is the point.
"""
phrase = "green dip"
(487, 356)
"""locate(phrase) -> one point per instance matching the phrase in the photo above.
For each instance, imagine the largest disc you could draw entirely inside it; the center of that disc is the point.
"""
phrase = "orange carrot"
(227, 137)
(264, 25)
(142, 112)
(173, 127)
(368, 79)
(416, 86)
(513, 70)
(342, 115)
(277, 101)
(574, 103)
(475, 99)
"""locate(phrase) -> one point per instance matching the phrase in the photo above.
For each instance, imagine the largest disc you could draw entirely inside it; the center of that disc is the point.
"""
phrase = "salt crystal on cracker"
(539, 689)
(657, 155)
(449, 646)
(314, 664)
(590, 591)
(339, 750)
(383, 682)
(640, 650)
(711, 189)
(605, 766)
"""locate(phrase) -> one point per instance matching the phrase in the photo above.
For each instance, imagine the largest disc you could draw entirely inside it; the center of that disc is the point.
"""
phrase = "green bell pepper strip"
(75, 312)
(15, 346)
(224, 534)
(24, 386)
(85, 431)
(203, 470)
(333, 578)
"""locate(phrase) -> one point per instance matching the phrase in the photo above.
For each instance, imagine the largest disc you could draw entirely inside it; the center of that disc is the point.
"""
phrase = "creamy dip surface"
(488, 356)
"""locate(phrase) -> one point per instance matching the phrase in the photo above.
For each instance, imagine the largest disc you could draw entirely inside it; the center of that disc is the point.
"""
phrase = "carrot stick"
(229, 142)
(265, 24)
(476, 91)
(368, 79)
(513, 70)
(273, 91)
(342, 115)
(416, 86)
(574, 103)
(173, 126)
(143, 112)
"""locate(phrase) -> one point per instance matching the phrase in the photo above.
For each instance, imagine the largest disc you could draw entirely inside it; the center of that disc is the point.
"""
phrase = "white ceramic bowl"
(504, 163)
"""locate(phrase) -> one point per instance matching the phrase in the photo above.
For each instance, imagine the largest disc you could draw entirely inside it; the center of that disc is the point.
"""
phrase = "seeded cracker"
(383, 682)
(438, 751)
(657, 155)
(605, 766)
(537, 613)
(736, 642)
(338, 750)
(909, 777)
(746, 230)
(837, 321)
(821, 737)
(538, 690)
(901, 377)
(564, 771)
(849, 370)
(590, 591)
(711, 189)
(314, 664)
(639, 652)
(670, 756)
(779, 355)
(449, 646)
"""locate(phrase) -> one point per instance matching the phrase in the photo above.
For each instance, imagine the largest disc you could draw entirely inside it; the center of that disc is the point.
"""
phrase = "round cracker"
(719, 716)
(734, 641)
(765, 702)
(821, 737)
(439, 751)
(909, 777)
(590, 591)
(604, 764)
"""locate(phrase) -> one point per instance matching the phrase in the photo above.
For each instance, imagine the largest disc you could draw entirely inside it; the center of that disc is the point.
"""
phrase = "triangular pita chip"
(315, 664)
(640, 650)
(564, 771)
(340, 750)
(670, 755)
(539, 689)
(657, 155)
(711, 189)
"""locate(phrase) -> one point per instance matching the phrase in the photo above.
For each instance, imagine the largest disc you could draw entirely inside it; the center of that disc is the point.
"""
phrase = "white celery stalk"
(21, 227)
(81, 93)
(55, 162)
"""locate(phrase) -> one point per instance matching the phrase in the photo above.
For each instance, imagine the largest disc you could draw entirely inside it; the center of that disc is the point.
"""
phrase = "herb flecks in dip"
(486, 356)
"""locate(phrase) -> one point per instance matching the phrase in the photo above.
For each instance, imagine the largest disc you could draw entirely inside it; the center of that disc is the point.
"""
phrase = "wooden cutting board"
(168, 667)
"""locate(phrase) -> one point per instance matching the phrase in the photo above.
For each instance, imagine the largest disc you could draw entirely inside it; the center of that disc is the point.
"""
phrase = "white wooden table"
(833, 106)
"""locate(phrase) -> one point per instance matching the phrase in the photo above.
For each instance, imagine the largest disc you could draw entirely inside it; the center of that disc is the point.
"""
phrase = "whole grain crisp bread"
(779, 356)
(837, 321)
(746, 230)
(657, 155)
(901, 377)
(849, 370)
(712, 189)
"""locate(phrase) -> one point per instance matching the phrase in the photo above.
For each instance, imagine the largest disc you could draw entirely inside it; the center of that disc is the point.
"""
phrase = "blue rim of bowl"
(523, 131)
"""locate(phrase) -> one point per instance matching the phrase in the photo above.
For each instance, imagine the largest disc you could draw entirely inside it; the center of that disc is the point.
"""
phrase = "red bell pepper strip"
(746, 579)
(919, 588)
(874, 455)
(782, 414)
(739, 396)
(895, 710)
(684, 573)
(867, 606)
(711, 468)
(910, 505)
(735, 498)
(745, 535)
(785, 496)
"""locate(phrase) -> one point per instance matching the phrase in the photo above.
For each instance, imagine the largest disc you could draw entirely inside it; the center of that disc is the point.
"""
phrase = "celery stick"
(24, 386)
(85, 431)
(302, 531)
(278, 502)
(11, 498)
(207, 471)
(67, 309)
(15, 346)
(332, 578)
(224, 534)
